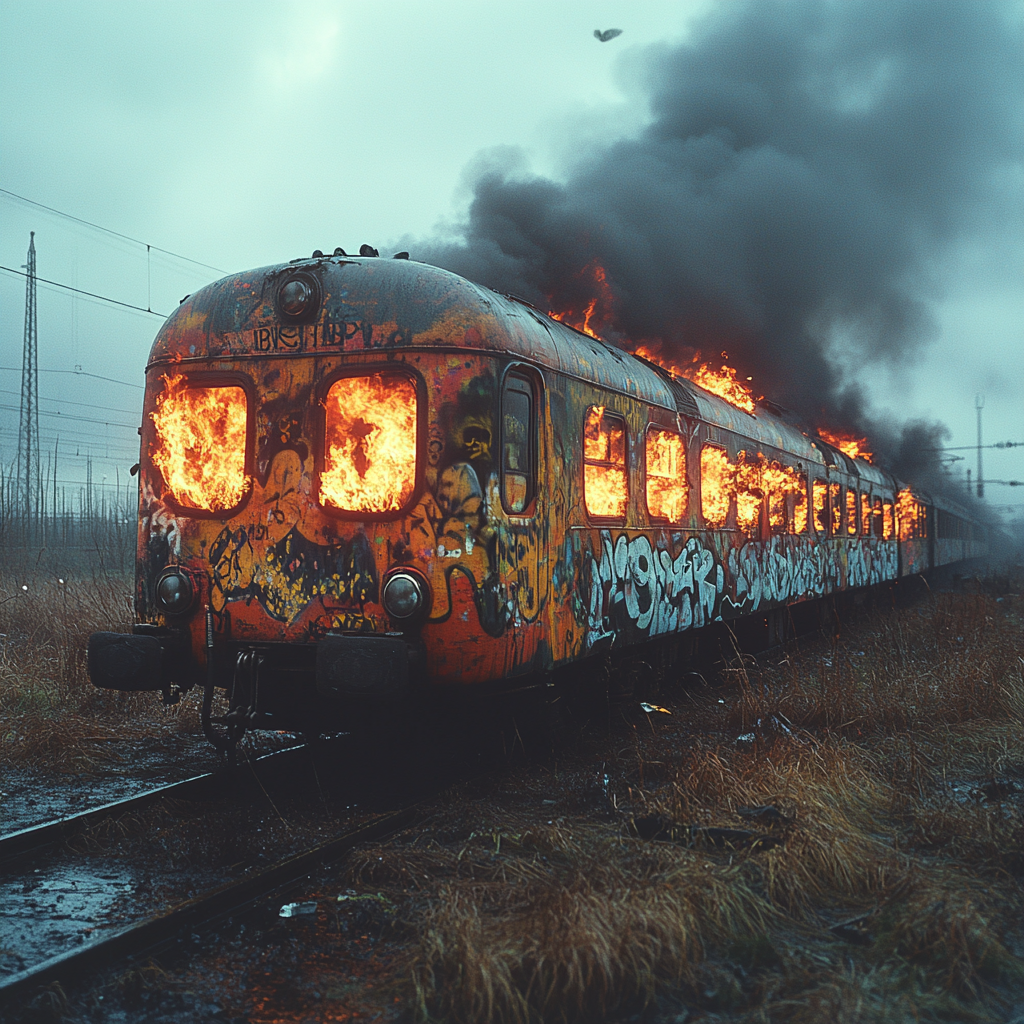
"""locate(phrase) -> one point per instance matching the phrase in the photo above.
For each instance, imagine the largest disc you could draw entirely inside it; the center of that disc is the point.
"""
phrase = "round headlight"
(405, 595)
(298, 297)
(175, 592)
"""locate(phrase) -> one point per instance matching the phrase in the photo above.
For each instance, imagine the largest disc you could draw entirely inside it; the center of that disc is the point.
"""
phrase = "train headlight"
(298, 298)
(175, 592)
(405, 595)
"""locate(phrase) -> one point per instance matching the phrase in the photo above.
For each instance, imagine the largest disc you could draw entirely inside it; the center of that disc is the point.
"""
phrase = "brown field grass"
(888, 887)
(51, 716)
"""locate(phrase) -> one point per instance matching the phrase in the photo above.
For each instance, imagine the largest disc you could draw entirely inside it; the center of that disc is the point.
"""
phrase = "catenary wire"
(109, 231)
(91, 295)
(80, 373)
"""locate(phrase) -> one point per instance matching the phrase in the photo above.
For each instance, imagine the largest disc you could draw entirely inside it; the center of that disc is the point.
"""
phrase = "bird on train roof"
(608, 33)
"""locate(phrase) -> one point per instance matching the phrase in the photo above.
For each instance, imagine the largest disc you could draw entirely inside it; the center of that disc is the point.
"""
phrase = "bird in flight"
(608, 33)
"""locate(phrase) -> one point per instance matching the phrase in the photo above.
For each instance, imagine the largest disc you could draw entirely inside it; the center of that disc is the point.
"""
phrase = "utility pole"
(979, 404)
(29, 482)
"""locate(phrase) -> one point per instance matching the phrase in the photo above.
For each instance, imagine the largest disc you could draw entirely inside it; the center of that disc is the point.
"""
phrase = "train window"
(716, 486)
(836, 496)
(517, 445)
(797, 508)
(605, 485)
(200, 444)
(819, 498)
(912, 517)
(370, 443)
(865, 514)
(851, 511)
(876, 517)
(888, 523)
(665, 465)
(750, 492)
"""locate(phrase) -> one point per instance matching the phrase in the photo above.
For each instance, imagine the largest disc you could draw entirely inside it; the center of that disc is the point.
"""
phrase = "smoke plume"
(804, 168)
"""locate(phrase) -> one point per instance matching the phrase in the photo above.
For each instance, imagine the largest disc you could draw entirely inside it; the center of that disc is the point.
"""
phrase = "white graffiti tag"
(786, 570)
(634, 585)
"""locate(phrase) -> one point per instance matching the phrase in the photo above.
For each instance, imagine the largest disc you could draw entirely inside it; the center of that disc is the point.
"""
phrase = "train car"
(365, 482)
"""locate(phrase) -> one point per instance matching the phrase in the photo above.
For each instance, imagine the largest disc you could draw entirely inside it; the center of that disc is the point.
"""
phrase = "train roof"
(415, 305)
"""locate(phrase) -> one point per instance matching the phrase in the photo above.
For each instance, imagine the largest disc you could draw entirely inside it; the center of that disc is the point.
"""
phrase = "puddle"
(44, 914)
(33, 796)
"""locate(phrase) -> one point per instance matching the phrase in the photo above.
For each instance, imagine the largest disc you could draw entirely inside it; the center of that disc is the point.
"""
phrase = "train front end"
(288, 548)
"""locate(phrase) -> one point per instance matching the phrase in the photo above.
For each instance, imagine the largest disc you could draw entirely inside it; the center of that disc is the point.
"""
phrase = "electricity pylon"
(29, 483)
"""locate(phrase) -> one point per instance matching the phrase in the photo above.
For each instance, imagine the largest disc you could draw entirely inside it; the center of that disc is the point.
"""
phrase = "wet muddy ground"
(355, 942)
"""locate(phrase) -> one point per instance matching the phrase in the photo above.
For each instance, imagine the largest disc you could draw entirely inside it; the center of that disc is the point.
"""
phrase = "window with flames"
(762, 490)
(200, 444)
(665, 455)
(605, 483)
(370, 441)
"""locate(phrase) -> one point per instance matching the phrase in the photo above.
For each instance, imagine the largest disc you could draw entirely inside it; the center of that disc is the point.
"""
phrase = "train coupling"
(145, 659)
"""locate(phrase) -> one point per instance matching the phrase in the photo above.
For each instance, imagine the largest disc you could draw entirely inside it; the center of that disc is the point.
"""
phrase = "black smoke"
(805, 169)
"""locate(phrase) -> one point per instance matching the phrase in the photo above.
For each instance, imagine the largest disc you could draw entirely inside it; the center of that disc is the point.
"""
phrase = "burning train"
(368, 481)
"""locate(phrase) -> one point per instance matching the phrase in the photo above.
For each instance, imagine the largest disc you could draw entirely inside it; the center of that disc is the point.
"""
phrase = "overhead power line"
(91, 295)
(109, 231)
(79, 419)
(83, 373)
(84, 405)
(975, 447)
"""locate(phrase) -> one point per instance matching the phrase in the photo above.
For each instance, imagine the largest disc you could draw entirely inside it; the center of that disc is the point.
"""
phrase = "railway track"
(158, 929)
(26, 840)
(58, 861)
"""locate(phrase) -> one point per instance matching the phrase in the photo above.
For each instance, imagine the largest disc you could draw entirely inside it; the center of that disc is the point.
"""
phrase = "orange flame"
(582, 321)
(604, 464)
(888, 530)
(835, 496)
(911, 516)
(851, 446)
(851, 512)
(716, 486)
(720, 382)
(748, 484)
(666, 475)
(200, 446)
(370, 446)
(820, 499)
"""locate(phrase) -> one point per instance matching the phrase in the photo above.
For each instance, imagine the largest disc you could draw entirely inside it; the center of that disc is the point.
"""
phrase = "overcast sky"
(240, 134)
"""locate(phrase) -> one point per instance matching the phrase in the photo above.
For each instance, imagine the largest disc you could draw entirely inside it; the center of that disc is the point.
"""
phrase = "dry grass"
(891, 756)
(51, 714)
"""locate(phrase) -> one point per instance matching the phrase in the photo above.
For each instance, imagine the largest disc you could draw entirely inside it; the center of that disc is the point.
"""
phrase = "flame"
(666, 475)
(865, 514)
(715, 486)
(835, 497)
(748, 483)
(819, 495)
(798, 524)
(721, 382)
(887, 523)
(851, 511)
(200, 446)
(582, 322)
(911, 517)
(851, 446)
(604, 483)
(370, 444)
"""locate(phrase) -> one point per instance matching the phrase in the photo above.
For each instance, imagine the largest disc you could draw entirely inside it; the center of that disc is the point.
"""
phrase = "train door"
(523, 543)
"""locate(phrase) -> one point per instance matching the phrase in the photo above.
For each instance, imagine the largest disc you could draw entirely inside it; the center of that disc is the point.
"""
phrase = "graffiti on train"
(786, 570)
(639, 586)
